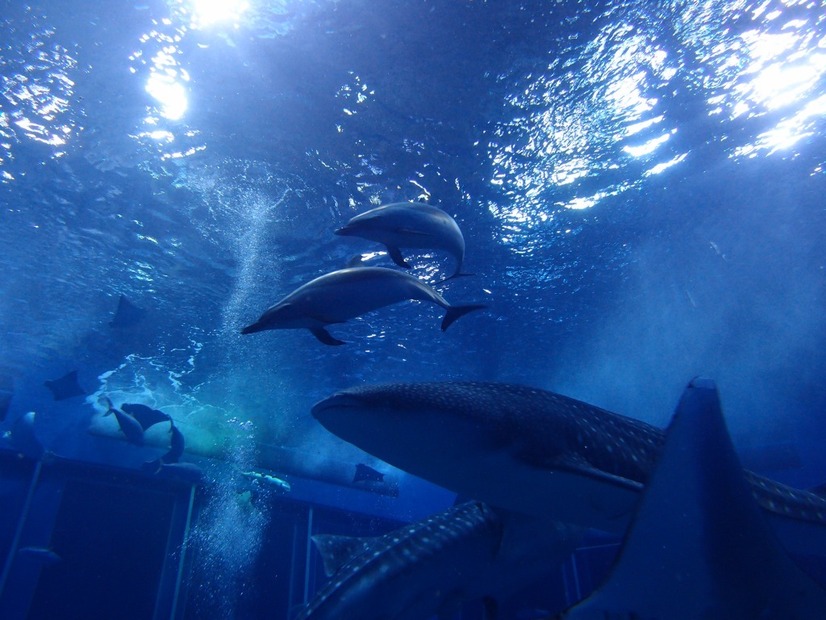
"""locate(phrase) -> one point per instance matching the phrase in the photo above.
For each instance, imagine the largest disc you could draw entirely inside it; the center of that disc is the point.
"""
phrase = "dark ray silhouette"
(65, 387)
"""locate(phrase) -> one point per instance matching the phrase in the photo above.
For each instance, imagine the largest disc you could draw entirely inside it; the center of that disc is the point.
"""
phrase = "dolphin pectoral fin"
(324, 336)
(455, 312)
(397, 257)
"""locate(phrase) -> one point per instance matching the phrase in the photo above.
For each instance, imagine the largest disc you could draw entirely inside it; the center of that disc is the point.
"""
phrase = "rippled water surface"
(640, 186)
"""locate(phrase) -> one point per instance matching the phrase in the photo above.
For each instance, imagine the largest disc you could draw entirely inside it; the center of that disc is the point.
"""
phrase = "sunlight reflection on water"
(578, 132)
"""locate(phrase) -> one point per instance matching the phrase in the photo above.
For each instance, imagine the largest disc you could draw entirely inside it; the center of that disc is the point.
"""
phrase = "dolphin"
(176, 447)
(146, 416)
(348, 293)
(409, 225)
(433, 566)
(129, 426)
(698, 546)
(534, 452)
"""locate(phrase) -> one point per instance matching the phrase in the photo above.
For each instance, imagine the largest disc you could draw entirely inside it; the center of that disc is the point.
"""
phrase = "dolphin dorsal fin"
(337, 550)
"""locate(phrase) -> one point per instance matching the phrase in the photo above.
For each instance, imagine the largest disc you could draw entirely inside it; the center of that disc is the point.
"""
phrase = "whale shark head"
(511, 446)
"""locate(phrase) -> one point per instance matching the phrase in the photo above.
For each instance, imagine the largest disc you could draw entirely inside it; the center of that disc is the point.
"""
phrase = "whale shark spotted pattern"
(698, 546)
(433, 566)
(535, 452)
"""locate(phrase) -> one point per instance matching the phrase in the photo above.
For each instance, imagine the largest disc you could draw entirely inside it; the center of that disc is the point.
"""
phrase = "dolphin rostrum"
(409, 225)
(534, 452)
(433, 566)
(698, 545)
(346, 294)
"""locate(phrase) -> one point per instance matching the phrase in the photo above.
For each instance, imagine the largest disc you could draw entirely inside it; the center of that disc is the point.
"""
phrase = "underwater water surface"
(640, 186)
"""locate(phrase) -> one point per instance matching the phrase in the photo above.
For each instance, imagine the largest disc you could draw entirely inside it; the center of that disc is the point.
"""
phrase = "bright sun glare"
(209, 12)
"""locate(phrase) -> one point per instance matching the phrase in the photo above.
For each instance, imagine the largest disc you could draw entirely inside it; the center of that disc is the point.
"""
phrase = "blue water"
(640, 185)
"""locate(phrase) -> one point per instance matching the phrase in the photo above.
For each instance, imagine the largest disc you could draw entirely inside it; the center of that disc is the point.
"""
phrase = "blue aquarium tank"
(393, 309)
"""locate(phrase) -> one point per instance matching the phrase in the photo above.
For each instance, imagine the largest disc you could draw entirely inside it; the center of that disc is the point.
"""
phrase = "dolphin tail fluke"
(324, 336)
(107, 402)
(455, 312)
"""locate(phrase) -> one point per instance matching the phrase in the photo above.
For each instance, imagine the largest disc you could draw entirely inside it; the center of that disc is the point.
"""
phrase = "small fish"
(44, 555)
(277, 483)
(345, 294)
(65, 387)
(184, 471)
(367, 473)
(412, 225)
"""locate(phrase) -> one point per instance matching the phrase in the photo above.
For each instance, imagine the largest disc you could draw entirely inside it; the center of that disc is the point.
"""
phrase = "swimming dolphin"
(272, 481)
(176, 448)
(129, 426)
(535, 452)
(348, 293)
(433, 566)
(146, 416)
(698, 546)
(409, 225)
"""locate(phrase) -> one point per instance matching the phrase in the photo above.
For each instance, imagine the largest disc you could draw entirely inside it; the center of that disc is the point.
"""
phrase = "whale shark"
(534, 452)
(467, 552)
(347, 293)
(698, 545)
(412, 225)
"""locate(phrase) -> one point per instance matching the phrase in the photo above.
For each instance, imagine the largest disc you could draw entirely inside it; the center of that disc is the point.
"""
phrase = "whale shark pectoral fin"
(337, 550)
(324, 336)
(397, 257)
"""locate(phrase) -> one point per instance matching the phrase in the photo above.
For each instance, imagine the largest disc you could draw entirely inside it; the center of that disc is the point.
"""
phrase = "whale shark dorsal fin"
(397, 257)
(698, 546)
(338, 550)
